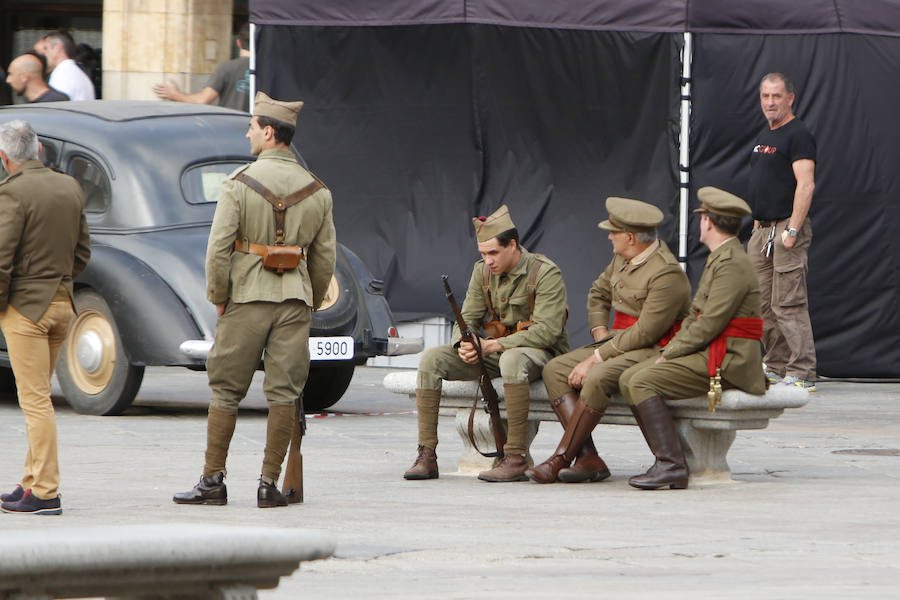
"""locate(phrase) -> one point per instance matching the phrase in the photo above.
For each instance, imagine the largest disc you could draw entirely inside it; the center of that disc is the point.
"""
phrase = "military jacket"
(656, 291)
(242, 213)
(512, 303)
(44, 237)
(728, 289)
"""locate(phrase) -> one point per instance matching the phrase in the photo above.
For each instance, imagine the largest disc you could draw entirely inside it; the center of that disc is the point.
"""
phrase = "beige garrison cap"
(630, 215)
(492, 226)
(283, 112)
(721, 202)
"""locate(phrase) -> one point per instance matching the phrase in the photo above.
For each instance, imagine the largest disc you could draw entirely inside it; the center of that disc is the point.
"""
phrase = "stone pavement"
(813, 513)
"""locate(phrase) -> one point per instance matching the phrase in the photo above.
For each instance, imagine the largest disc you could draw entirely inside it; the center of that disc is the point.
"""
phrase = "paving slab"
(812, 513)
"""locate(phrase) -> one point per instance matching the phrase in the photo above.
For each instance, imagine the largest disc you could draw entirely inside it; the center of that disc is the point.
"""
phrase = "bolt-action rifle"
(293, 472)
(488, 393)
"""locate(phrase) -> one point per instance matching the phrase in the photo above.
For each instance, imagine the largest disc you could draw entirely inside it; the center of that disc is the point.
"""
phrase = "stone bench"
(706, 436)
(172, 561)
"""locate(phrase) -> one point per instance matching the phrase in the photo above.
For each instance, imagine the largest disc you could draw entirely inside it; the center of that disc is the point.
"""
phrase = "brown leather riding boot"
(581, 423)
(588, 464)
(279, 427)
(510, 468)
(219, 430)
(425, 466)
(670, 468)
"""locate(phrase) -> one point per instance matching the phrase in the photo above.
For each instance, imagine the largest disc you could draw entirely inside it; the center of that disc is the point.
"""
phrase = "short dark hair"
(244, 36)
(726, 223)
(505, 237)
(788, 84)
(63, 37)
(283, 133)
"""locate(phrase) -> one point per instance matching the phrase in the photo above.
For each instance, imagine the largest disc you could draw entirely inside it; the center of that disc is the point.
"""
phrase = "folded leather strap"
(257, 249)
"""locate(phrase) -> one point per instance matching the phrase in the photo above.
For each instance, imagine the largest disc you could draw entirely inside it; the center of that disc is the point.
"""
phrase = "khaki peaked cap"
(718, 201)
(283, 112)
(630, 215)
(493, 225)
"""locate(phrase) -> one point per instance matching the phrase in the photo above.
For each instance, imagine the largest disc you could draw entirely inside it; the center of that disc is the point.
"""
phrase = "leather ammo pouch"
(278, 257)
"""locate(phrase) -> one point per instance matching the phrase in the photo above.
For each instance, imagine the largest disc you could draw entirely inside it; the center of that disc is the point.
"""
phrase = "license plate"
(331, 348)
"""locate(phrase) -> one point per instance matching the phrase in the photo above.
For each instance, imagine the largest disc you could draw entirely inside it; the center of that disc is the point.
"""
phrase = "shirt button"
(502, 315)
(502, 299)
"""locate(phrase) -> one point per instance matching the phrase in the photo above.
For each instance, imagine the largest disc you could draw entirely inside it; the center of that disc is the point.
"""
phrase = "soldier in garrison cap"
(262, 305)
(717, 346)
(513, 286)
(649, 293)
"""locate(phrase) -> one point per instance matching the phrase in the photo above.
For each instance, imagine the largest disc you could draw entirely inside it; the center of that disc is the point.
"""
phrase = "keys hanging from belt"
(770, 241)
(714, 395)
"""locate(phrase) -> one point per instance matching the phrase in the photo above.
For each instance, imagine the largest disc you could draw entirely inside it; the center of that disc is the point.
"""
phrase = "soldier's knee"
(513, 365)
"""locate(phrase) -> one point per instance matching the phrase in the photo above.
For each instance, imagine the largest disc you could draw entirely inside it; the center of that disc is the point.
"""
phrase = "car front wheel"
(326, 385)
(93, 371)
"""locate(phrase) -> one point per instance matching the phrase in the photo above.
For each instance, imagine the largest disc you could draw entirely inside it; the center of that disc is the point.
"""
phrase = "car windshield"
(201, 184)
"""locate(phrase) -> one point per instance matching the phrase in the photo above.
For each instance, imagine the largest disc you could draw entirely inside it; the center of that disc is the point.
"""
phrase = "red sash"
(749, 327)
(623, 321)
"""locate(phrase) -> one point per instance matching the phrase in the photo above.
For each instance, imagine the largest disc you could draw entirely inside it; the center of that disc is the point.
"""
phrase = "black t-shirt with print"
(772, 181)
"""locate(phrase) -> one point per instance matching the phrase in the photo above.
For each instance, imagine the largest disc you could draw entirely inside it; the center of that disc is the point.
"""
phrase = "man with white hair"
(44, 245)
(65, 74)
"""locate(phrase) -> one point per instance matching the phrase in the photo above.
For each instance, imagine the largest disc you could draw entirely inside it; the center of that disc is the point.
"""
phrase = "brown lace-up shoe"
(425, 466)
(510, 468)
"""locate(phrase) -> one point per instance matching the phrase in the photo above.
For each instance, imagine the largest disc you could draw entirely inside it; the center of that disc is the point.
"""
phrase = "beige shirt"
(241, 212)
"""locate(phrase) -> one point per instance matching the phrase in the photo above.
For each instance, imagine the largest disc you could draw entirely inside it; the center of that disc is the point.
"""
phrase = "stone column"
(151, 41)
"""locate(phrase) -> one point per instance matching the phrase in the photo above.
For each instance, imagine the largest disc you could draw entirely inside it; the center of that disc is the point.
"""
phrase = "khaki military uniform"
(266, 310)
(728, 289)
(654, 289)
(44, 245)
(524, 353)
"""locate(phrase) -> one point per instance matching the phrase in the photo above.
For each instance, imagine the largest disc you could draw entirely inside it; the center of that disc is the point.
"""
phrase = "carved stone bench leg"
(471, 462)
(705, 450)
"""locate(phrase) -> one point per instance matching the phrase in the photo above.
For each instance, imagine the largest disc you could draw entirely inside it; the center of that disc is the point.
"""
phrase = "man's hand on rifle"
(469, 354)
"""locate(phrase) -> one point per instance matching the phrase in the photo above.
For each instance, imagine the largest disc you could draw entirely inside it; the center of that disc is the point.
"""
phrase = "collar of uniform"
(643, 256)
(277, 153)
(722, 248)
(521, 267)
(31, 164)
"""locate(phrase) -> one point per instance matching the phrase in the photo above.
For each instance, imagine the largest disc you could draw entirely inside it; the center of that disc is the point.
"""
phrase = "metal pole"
(252, 65)
(684, 156)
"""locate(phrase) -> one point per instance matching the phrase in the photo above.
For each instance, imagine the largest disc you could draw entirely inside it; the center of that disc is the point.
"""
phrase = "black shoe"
(31, 504)
(268, 496)
(13, 496)
(210, 490)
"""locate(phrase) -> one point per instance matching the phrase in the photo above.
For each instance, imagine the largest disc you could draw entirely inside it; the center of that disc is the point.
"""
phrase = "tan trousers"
(33, 350)
(601, 381)
(242, 333)
(787, 332)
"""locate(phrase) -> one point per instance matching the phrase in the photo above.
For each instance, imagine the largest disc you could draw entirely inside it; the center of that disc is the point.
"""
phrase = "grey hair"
(788, 84)
(646, 237)
(18, 141)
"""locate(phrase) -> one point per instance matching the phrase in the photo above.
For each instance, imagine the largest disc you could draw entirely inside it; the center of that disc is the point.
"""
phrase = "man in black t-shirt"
(782, 180)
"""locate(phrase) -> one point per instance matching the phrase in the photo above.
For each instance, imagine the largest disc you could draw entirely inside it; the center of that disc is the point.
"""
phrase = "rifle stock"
(293, 472)
(488, 393)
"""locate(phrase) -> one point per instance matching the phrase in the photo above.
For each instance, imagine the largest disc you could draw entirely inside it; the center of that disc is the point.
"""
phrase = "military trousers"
(787, 332)
(682, 377)
(243, 333)
(602, 379)
(33, 349)
(516, 365)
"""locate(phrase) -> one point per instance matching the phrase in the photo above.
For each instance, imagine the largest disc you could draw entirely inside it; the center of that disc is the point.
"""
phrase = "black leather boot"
(269, 496)
(210, 490)
(670, 468)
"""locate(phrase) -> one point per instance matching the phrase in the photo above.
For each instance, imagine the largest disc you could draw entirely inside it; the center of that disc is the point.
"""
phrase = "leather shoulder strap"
(532, 286)
(280, 205)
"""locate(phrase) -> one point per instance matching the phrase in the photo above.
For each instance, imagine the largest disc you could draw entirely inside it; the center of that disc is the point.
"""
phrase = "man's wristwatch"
(792, 232)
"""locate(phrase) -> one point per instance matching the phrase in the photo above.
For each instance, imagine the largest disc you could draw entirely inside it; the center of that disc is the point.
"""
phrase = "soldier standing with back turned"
(260, 308)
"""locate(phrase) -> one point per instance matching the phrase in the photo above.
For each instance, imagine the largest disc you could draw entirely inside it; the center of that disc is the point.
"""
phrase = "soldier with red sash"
(649, 293)
(718, 342)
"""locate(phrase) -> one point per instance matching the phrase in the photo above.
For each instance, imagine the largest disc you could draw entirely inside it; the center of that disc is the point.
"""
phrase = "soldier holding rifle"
(522, 297)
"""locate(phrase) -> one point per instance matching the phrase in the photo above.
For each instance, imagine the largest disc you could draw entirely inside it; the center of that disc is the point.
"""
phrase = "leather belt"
(257, 249)
(770, 223)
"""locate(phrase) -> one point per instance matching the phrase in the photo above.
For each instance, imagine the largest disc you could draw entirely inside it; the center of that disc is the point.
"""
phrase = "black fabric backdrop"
(418, 128)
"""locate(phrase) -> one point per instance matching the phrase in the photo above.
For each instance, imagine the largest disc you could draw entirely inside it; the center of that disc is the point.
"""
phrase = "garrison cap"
(630, 215)
(492, 226)
(721, 202)
(283, 112)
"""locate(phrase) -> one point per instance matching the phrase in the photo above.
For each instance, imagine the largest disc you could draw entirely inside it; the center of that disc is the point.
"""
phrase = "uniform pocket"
(789, 286)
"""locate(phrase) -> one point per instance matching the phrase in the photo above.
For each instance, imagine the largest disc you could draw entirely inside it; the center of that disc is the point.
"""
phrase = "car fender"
(153, 323)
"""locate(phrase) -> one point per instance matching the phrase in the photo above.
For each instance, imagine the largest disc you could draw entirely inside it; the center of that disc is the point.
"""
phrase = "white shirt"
(69, 79)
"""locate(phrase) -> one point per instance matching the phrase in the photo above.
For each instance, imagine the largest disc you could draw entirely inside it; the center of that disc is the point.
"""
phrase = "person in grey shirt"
(229, 83)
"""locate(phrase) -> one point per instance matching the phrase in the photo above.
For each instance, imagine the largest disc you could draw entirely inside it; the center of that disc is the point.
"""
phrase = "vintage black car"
(152, 173)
